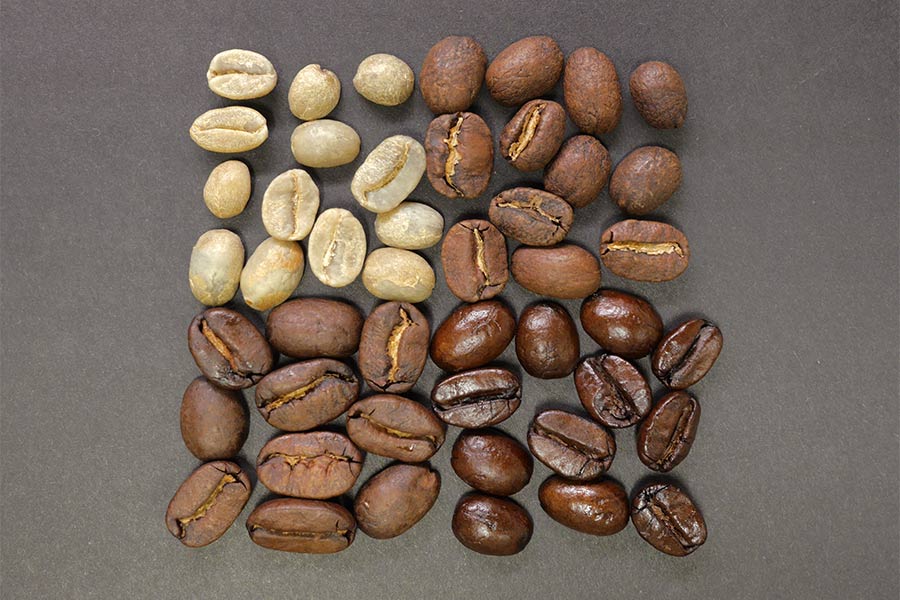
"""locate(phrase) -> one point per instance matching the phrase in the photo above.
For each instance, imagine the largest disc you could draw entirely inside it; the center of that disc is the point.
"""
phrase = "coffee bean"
(533, 136)
(524, 70)
(477, 398)
(314, 93)
(491, 461)
(394, 347)
(564, 271)
(389, 174)
(228, 348)
(452, 74)
(384, 79)
(474, 259)
(473, 335)
(571, 445)
(306, 394)
(599, 508)
(317, 464)
(307, 526)
(215, 268)
(313, 327)
(644, 250)
(214, 422)
(592, 91)
(459, 155)
(668, 519)
(612, 390)
(337, 248)
(401, 275)
(241, 75)
(324, 143)
(229, 130)
(668, 432)
(491, 525)
(686, 354)
(207, 503)
(645, 179)
(395, 499)
(272, 273)
(659, 95)
(388, 425)
(547, 341)
(411, 226)
(290, 205)
(533, 217)
(579, 171)
(621, 323)
(227, 189)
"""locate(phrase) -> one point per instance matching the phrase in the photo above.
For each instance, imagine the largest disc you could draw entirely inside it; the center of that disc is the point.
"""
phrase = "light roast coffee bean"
(272, 273)
(313, 327)
(317, 464)
(324, 143)
(547, 341)
(524, 70)
(668, 519)
(572, 446)
(473, 255)
(394, 274)
(491, 461)
(459, 155)
(241, 75)
(621, 323)
(394, 347)
(227, 190)
(337, 248)
(659, 95)
(612, 390)
(686, 354)
(395, 499)
(491, 525)
(592, 91)
(564, 271)
(314, 93)
(411, 226)
(290, 205)
(533, 217)
(452, 74)
(579, 171)
(477, 398)
(533, 136)
(215, 268)
(668, 432)
(307, 526)
(389, 174)
(392, 426)
(645, 179)
(228, 349)
(207, 503)
(229, 130)
(384, 79)
(473, 335)
(214, 422)
(644, 250)
(599, 508)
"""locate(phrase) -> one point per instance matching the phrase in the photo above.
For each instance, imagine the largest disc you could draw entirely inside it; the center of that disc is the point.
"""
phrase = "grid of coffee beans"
(309, 466)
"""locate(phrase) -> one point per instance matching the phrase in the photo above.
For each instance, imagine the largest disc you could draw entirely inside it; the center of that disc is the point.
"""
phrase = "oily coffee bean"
(241, 75)
(668, 432)
(229, 130)
(491, 461)
(572, 446)
(214, 422)
(533, 136)
(592, 91)
(324, 143)
(491, 525)
(207, 503)
(307, 526)
(645, 179)
(644, 250)
(687, 353)
(395, 274)
(227, 190)
(452, 74)
(317, 464)
(473, 335)
(393, 347)
(474, 259)
(599, 508)
(579, 171)
(524, 70)
(547, 341)
(389, 174)
(564, 271)
(621, 323)
(392, 426)
(272, 273)
(314, 327)
(659, 95)
(337, 248)
(289, 205)
(395, 499)
(384, 79)
(477, 398)
(612, 390)
(459, 155)
(533, 217)
(314, 93)
(668, 519)
(229, 350)
(411, 226)
(306, 394)
(215, 268)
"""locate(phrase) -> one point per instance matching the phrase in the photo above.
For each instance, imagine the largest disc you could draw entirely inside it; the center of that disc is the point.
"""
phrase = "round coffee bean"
(686, 354)
(533, 217)
(473, 335)
(645, 179)
(668, 519)
(579, 171)
(524, 70)
(659, 95)
(324, 143)
(207, 503)
(452, 74)
(389, 174)
(477, 398)
(317, 464)
(491, 461)
(229, 350)
(411, 226)
(215, 268)
(314, 327)
(393, 347)
(314, 93)
(241, 75)
(395, 499)
(214, 422)
(491, 525)
(289, 205)
(395, 274)
(307, 526)
(621, 323)
(272, 273)
(459, 155)
(533, 136)
(337, 248)
(384, 79)
(599, 508)
(572, 446)
(547, 341)
(227, 190)
(612, 390)
(668, 432)
(592, 91)
(473, 255)
(395, 427)
(564, 271)
(644, 250)
(229, 130)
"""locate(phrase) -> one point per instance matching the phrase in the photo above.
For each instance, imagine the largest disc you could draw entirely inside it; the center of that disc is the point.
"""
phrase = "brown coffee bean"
(659, 95)
(307, 526)
(547, 341)
(459, 155)
(473, 255)
(473, 335)
(572, 446)
(394, 347)
(388, 425)
(477, 398)
(452, 74)
(621, 323)
(207, 503)
(533, 136)
(686, 354)
(599, 508)
(524, 70)
(491, 525)
(668, 519)
(395, 499)
(491, 461)
(229, 350)
(645, 179)
(315, 328)
(317, 464)
(579, 171)
(612, 390)
(214, 422)
(668, 432)
(565, 271)
(592, 91)
(533, 217)
(644, 250)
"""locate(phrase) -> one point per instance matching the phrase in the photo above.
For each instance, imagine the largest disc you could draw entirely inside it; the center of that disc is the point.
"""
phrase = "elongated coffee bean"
(579, 171)
(564, 271)
(317, 464)
(659, 95)
(215, 268)
(668, 432)
(314, 327)
(272, 273)
(525, 69)
(668, 519)
(393, 347)
(230, 129)
(395, 427)
(533, 217)
(644, 250)
(289, 205)
(229, 350)
(459, 153)
(621, 323)
(687, 353)
(389, 174)
(592, 91)
(533, 136)
(572, 446)
(547, 341)
(214, 422)
(473, 335)
(324, 143)
(597, 508)
(452, 74)
(241, 75)
(337, 248)
(612, 390)
(492, 525)
(395, 499)
(307, 526)
(474, 259)
(477, 398)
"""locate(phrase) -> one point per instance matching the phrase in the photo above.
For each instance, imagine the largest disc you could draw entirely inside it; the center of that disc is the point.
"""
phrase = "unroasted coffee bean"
(612, 390)
(308, 526)
(389, 174)
(645, 179)
(491, 461)
(524, 70)
(659, 95)
(306, 394)
(533, 217)
(392, 426)
(621, 323)
(227, 189)
(317, 464)
(687, 353)
(384, 79)
(668, 519)
(533, 136)
(207, 503)
(313, 327)
(241, 75)
(473, 335)
(272, 273)
(564, 271)
(491, 525)
(229, 350)
(599, 508)
(395, 499)
(592, 91)
(668, 432)
(452, 74)
(214, 422)
(314, 93)
(230, 129)
(644, 250)
(579, 171)
(474, 259)
(547, 341)
(477, 398)
(459, 153)
(395, 274)
(215, 268)
(290, 205)
(572, 446)
(411, 226)
(394, 347)
(324, 143)
(337, 248)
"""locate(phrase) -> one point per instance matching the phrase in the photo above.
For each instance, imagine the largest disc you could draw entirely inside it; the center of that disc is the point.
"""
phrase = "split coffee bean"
(207, 503)
(533, 217)
(272, 273)
(645, 179)
(314, 327)
(228, 349)
(393, 347)
(668, 519)
(324, 143)
(395, 499)
(395, 274)
(592, 91)
(547, 341)
(337, 248)
(317, 464)
(389, 174)
(314, 93)
(668, 432)
(574, 447)
(491, 461)
(459, 155)
(621, 323)
(533, 136)
(452, 74)
(227, 190)
(289, 205)
(473, 335)
(612, 390)
(565, 271)
(644, 250)
(307, 526)
(686, 354)
(215, 268)
(659, 95)
(384, 79)
(491, 525)
(214, 422)
(411, 226)
(473, 255)
(524, 70)
(579, 171)
(229, 130)
(395, 427)
(241, 75)
(599, 508)
(477, 398)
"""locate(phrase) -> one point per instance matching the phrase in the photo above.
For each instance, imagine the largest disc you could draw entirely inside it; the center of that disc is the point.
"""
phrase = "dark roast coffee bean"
(395, 499)
(491, 525)
(214, 422)
(579, 171)
(659, 95)
(207, 503)
(473, 335)
(563, 271)
(315, 328)
(668, 432)
(459, 155)
(395, 427)
(533, 136)
(308, 526)
(644, 250)
(592, 91)
(612, 390)
(621, 323)
(394, 347)
(306, 394)
(668, 519)
(645, 179)
(599, 508)
(572, 446)
(524, 70)
(547, 341)
(533, 217)
(229, 350)
(473, 255)
(687, 353)
(452, 74)
(491, 462)
(477, 398)
(317, 464)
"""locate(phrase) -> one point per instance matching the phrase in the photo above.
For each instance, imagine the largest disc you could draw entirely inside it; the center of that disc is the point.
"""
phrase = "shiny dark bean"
(473, 335)
(599, 508)
(668, 519)
(491, 461)
(686, 354)
(572, 446)
(621, 323)
(612, 390)
(477, 398)
(668, 432)
(395, 499)
(491, 525)
(214, 422)
(547, 341)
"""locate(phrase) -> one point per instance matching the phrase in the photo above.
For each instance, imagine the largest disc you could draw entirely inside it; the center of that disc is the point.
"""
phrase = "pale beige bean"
(290, 205)
(227, 189)
(229, 130)
(215, 268)
(272, 273)
(324, 143)
(394, 274)
(389, 174)
(314, 93)
(241, 75)
(384, 79)
(411, 225)
(337, 247)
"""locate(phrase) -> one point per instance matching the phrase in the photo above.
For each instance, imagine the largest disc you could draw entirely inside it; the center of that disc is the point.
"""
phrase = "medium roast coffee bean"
(227, 190)
(473, 335)
(491, 525)
(579, 171)
(668, 432)
(592, 91)
(571, 445)
(612, 390)
(314, 93)
(599, 508)
(290, 205)
(207, 503)
(477, 398)
(324, 143)
(533, 136)
(308, 526)
(395, 499)
(547, 341)
(491, 461)
(215, 268)
(621, 323)
(565, 271)
(686, 354)
(524, 70)
(214, 422)
(659, 95)
(393, 347)
(452, 74)
(644, 250)
(241, 75)
(459, 155)
(272, 273)
(229, 350)
(337, 248)
(389, 174)
(229, 130)
(395, 427)
(411, 226)
(645, 179)
(384, 79)
(318, 464)
(474, 259)
(306, 394)
(668, 519)
(533, 217)
(314, 327)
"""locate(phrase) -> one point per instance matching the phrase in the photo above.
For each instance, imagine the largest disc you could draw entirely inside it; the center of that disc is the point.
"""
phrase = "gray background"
(790, 202)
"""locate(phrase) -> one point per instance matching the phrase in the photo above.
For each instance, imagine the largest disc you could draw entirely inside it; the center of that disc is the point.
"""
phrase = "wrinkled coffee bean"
(214, 422)
(668, 519)
(477, 398)
(272, 273)
(547, 341)
(592, 91)
(289, 205)
(599, 508)
(565, 271)
(411, 226)
(612, 390)
(392, 426)
(533, 217)
(314, 93)
(241, 75)
(395, 274)
(389, 174)
(317, 464)
(229, 350)
(645, 179)
(473, 335)
(229, 130)
(314, 327)
(491, 525)
(572, 446)
(395, 499)
(207, 503)
(459, 155)
(524, 70)
(491, 461)
(621, 323)
(579, 171)
(215, 268)
(473, 255)
(644, 250)
(659, 95)
(337, 248)
(668, 432)
(686, 354)
(307, 526)
(533, 136)
(393, 347)
(452, 74)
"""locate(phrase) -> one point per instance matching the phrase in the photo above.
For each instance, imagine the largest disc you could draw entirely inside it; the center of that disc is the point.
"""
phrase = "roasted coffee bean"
(207, 503)
(241, 75)
(395, 499)
(547, 341)
(473, 335)
(659, 95)
(564, 271)
(388, 425)
(314, 93)
(612, 390)
(452, 74)
(533, 217)
(314, 327)
(389, 174)
(491, 461)
(477, 398)
(308, 526)
(215, 268)
(533, 136)
(393, 347)
(474, 259)
(592, 91)
(229, 350)
(524, 70)
(214, 422)
(272, 273)
(621, 323)
(227, 189)
(668, 519)
(324, 143)
(306, 394)
(230, 129)
(572, 446)
(579, 171)
(289, 205)
(645, 179)
(491, 525)
(411, 226)
(644, 250)
(384, 79)
(686, 354)
(668, 432)
(317, 464)
(337, 248)
(395, 274)
(459, 155)
(599, 508)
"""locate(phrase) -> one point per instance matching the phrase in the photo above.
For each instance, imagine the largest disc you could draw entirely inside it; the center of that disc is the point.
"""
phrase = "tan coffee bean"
(272, 273)
(314, 93)
(290, 205)
(324, 143)
(229, 130)
(241, 75)
(411, 225)
(227, 189)
(389, 174)
(384, 79)
(215, 269)
(337, 247)
(394, 274)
